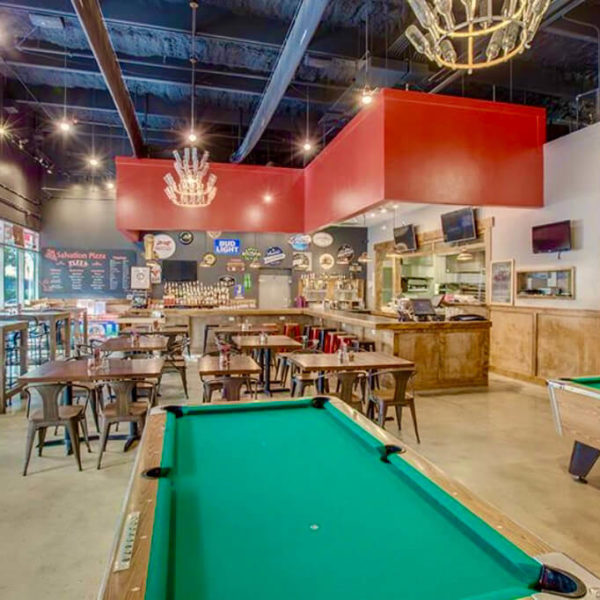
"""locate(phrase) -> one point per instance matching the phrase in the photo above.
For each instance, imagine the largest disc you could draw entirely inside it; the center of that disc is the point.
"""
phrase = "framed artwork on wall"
(502, 273)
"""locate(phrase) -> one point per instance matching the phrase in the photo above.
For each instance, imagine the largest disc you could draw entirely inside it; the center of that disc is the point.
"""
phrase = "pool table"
(575, 403)
(307, 499)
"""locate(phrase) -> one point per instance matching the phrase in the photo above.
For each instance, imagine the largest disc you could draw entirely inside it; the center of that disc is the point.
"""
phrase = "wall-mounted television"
(405, 238)
(459, 225)
(179, 270)
(552, 237)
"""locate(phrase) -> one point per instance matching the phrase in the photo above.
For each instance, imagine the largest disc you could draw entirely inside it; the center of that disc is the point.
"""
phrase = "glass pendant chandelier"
(455, 31)
(195, 186)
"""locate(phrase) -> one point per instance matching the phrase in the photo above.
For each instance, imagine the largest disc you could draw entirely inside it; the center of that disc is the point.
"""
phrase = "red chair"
(347, 338)
(292, 330)
(329, 343)
(315, 333)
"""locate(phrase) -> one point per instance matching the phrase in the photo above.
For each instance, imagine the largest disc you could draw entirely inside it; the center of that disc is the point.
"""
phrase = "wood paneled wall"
(535, 344)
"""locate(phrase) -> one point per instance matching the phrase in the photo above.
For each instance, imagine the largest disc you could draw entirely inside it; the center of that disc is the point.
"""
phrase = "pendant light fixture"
(364, 257)
(450, 31)
(64, 125)
(367, 93)
(307, 146)
(196, 187)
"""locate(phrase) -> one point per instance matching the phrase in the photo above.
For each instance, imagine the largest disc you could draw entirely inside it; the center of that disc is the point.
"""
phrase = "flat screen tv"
(179, 270)
(552, 237)
(405, 238)
(459, 225)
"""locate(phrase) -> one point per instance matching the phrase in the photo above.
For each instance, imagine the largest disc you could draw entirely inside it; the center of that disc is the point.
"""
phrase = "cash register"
(424, 310)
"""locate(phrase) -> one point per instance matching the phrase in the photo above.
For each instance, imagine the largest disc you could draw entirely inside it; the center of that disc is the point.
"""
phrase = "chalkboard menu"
(67, 273)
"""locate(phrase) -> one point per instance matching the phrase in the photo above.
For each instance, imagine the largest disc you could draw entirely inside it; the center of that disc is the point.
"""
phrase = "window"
(19, 264)
(11, 275)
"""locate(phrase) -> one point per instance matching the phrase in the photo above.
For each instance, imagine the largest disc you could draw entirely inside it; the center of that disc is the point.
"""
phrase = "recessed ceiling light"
(110, 185)
(367, 96)
(384, 227)
(64, 125)
(383, 210)
(268, 198)
(371, 214)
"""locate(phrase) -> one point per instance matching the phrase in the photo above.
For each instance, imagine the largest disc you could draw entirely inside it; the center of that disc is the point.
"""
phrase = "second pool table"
(307, 499)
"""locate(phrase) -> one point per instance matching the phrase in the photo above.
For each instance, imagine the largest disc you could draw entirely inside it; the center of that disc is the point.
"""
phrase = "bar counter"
(448, 354)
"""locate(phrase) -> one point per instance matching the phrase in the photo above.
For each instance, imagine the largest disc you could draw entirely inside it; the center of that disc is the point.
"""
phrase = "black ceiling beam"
(170, 64)
(570, 30)
(92, 22)
(239, 29)
(148, 70)
(99, 101)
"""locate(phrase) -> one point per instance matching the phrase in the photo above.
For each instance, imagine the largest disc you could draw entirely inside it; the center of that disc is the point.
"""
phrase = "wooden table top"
(125, 343)
(39, 315)
(250, 342)
(13, 325)
(362, 361)
(139, 320)
(240, 364)
(64, 371)
(164, 330)
(250, 330)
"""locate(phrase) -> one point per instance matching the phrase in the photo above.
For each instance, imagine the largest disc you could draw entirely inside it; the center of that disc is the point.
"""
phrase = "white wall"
(571, 191)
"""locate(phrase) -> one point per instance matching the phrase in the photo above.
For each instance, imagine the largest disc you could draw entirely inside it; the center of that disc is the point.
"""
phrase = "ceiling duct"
(299, 35)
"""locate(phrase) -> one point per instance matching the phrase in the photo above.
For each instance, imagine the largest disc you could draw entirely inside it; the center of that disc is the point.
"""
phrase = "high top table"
(247, 343)
(8, 328)
(52, 317)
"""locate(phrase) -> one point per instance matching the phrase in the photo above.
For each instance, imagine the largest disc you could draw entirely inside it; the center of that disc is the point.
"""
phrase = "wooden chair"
(396, 397)
(53, 414)
(347, 382)
(231, 387)
(122, 410)
(175, 361)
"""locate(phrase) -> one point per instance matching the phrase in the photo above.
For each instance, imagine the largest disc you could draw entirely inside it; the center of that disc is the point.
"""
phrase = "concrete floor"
(57, 524)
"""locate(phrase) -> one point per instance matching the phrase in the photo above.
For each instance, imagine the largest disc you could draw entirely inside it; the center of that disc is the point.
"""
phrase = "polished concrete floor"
(57, 524)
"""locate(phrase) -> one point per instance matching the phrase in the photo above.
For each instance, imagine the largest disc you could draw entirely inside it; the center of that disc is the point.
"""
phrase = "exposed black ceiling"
(45, 49)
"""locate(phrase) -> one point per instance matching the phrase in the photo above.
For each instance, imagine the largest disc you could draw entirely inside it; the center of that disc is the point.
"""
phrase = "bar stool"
(328, 338)
(315, 334)
(338, 338)
(292, 330)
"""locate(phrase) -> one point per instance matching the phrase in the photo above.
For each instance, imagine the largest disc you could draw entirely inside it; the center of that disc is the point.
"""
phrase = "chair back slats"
(49, 393)
(401, 378)
(123, 391)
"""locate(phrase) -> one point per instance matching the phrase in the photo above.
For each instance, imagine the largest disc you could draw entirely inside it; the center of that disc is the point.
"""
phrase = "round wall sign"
(208, 260)
(301, 261)
(186, 238)
(300, 242)
(345, 254)
(164, 246)
(273, 256)
(322, 239)
(251, 254)
(326, 261)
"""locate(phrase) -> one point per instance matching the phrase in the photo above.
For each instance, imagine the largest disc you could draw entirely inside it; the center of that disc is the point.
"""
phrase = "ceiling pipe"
(92, 23)
(296, 42)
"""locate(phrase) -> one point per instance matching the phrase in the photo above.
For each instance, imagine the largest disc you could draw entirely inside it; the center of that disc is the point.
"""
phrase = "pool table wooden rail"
(130, 584)
(576, 410)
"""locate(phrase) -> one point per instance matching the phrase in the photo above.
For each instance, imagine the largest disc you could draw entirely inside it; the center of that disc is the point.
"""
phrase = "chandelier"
(196, 187)
(456, 31)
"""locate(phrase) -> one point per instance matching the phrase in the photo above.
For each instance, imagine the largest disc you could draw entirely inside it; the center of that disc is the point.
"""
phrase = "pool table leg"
(583, 459)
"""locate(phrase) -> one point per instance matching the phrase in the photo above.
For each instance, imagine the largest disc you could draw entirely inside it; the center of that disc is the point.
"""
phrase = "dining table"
(68, 372)
(131, 344)
(238, 365)
(266, 344)
(348, 368)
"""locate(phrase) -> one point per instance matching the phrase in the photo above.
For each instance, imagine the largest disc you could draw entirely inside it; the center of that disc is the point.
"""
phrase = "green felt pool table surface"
(283, 500)
(589, 382)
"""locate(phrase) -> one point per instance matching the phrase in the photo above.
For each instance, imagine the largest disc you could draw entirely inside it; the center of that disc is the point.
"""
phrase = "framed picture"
(502, 282)
(140, 278)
